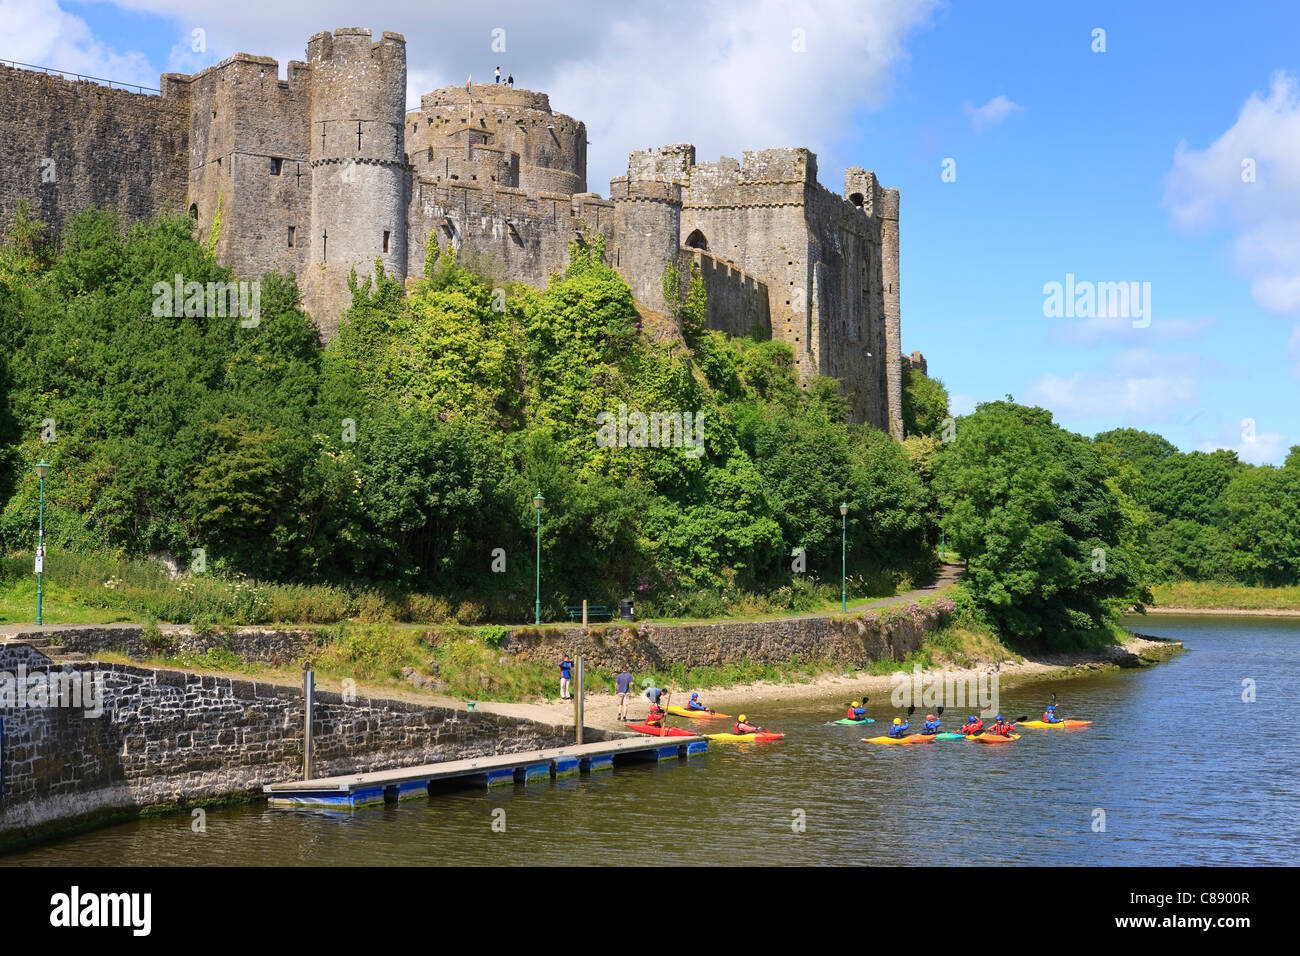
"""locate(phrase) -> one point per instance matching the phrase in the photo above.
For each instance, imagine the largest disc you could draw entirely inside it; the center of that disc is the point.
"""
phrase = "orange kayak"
(995, 738)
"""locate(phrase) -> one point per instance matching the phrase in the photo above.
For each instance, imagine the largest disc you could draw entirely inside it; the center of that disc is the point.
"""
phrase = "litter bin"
(625, 610)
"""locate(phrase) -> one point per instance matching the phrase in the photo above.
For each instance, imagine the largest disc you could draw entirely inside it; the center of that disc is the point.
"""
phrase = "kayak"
(909, 739)
(844, 721)
(995, 738)
(660, 731)
(697, 714)
(746, 738)
(1067, 724)
(949, 735)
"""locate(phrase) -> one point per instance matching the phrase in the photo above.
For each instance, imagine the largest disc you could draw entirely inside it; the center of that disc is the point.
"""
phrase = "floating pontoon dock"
(404, 783)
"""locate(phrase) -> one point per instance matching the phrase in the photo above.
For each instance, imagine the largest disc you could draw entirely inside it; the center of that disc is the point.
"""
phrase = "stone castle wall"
(325, 173)
(67, 145)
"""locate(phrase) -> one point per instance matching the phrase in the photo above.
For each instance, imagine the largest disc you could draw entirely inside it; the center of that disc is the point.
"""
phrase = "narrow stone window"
(385, 240)
(276, 164)
(291, 231)
(358, 134)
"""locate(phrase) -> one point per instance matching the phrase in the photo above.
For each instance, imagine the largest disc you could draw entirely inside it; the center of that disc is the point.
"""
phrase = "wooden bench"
(593, 610)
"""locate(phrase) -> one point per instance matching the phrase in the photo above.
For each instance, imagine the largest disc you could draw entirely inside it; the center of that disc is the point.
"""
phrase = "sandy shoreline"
(1224, 611)
(601, 710)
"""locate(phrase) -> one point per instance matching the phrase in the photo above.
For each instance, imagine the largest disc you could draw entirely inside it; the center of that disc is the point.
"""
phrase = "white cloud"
(991, 113)
(1257, 448)
(39, 32)
(723, 75)
(959, 405)
(1213, 189)
(1137, 382)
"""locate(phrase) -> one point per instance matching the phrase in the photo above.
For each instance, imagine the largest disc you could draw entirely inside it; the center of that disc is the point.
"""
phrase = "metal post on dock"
(309, 712)
(584, 612)
(577, 698)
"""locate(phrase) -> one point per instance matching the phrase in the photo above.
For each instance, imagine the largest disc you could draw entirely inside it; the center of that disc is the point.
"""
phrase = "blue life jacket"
(931, 727)
(897, 729)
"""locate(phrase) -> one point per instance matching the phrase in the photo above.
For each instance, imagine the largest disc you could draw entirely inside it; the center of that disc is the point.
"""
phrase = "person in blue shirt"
(695, 704)
(856, 711)
(931, 725)
(566, 671)
(623, 687)
(899, 727)
(1049, 715)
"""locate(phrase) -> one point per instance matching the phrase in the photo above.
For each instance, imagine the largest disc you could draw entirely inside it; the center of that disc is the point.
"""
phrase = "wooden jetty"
(403, 783)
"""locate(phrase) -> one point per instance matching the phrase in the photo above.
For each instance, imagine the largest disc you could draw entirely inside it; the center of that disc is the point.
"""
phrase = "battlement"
(353, 43)
(326, 171)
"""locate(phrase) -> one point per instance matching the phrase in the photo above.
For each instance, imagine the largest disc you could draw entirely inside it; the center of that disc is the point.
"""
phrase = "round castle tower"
(358, 214)
(497, 135)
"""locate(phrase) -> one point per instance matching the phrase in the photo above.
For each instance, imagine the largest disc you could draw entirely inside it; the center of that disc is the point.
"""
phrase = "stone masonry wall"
(65, 146)
(169, 736)
(853, 640)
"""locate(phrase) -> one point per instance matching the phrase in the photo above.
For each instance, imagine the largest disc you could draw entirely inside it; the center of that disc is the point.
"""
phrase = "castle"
(325, 172)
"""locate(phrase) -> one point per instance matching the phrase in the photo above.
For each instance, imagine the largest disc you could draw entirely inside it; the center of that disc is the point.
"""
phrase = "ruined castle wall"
(737, 301)
(249, 154)
(848, 303)
(518, 236)
(754, 216)
(108, 147)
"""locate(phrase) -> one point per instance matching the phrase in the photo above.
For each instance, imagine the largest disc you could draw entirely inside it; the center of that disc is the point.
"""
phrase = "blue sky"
(1123, 165)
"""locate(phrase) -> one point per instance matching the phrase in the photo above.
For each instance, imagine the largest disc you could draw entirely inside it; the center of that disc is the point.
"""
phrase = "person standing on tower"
(510, 81)
(498, 74)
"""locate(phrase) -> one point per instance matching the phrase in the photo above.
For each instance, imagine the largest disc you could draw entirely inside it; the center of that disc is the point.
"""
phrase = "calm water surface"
(1185, 771)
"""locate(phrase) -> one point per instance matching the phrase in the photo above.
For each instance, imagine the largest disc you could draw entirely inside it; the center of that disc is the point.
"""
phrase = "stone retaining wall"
(167, 737)
(855, 639)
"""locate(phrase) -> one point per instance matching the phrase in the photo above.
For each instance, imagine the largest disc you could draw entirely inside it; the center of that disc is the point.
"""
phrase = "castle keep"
(326, 171)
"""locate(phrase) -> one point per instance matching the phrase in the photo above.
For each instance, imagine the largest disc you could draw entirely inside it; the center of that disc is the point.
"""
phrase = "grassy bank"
(1215, 594)
(89, 589)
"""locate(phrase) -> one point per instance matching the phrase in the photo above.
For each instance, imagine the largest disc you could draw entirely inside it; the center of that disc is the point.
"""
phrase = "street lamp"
(538, 501)
(42, 469)
(844, 557)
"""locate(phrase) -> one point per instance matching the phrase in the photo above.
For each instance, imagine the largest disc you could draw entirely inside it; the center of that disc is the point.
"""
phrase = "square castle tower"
(326, 172)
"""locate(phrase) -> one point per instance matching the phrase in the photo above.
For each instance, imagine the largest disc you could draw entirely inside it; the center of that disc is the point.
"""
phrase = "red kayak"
(660, 731)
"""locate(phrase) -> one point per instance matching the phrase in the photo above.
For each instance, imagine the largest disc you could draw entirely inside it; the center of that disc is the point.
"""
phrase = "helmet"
(857, 703)
(970, 720)
(929, 716)
(999, 718)
(695, 694)
(742, 718)
(1051, 707)
(897, 721)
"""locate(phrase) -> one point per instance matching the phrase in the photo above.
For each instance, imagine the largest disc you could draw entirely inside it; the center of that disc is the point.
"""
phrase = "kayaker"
(972, 726)
(742, 726)
(656, 716)
(931, 725)
(900, 725)
(695, 704)
(1049, 715)
(1001, 728)
(856, 711)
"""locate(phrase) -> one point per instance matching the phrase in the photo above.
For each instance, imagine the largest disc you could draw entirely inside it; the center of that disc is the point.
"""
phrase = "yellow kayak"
(696, 714)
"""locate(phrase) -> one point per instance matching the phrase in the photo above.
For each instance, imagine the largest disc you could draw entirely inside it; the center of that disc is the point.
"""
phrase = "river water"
(1185, 771)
